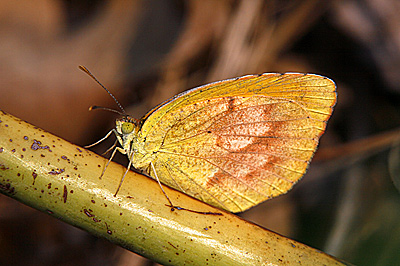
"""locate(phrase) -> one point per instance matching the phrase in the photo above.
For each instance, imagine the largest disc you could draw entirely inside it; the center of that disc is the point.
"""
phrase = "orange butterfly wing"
(237, 142)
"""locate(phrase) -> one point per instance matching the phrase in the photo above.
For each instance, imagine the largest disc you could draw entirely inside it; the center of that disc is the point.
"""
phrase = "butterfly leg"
(112, 156)
(127, 169)
(162, 189)
(172, 206)
(97, 142)
(109, 149)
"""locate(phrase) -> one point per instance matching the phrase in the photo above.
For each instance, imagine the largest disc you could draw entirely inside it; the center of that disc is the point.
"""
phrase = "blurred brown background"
(147, 51)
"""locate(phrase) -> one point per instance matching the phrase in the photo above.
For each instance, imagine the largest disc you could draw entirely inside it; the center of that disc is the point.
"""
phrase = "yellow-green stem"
(61, 179)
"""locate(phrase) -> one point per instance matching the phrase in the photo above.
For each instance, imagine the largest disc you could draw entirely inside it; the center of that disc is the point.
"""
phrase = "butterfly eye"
(127, 128)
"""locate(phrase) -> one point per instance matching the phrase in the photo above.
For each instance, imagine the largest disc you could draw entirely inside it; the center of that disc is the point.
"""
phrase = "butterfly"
(233, 143)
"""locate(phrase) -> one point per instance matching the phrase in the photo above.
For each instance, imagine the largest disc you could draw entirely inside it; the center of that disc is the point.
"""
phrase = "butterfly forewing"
(238, 142)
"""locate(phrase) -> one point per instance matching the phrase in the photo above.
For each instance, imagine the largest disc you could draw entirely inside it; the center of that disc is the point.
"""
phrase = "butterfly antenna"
(84, 69)
(94, 107)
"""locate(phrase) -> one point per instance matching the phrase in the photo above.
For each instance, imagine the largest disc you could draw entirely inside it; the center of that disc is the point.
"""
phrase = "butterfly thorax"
(128, 135)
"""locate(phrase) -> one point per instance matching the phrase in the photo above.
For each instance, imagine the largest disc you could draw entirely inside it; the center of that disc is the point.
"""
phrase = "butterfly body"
(128, 135)
(233, 143)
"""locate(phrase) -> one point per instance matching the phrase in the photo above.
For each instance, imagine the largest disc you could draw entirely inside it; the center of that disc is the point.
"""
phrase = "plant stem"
(61, 179)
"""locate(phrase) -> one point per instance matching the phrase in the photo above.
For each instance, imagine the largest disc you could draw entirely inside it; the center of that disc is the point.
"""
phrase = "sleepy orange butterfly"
(233, 143)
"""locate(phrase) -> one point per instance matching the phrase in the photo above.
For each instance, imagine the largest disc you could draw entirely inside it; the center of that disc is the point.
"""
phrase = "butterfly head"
(126, 125)
(127, 129)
